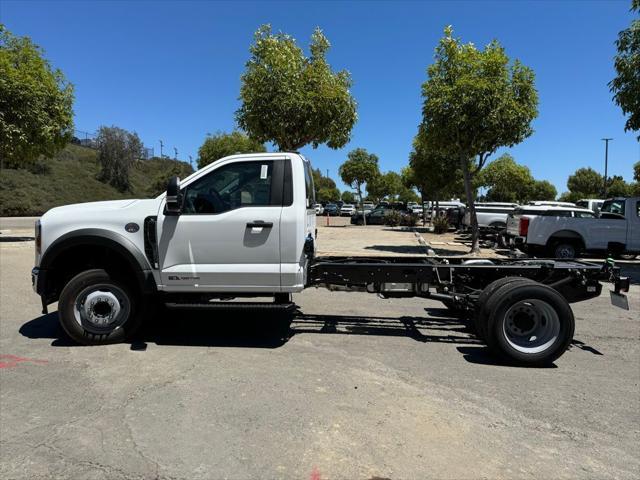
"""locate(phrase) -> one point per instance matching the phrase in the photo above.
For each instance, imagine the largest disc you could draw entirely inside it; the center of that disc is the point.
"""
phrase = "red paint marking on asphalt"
(10, 361)
(315, 474)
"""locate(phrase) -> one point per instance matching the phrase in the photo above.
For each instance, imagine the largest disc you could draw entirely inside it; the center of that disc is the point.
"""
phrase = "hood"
(92, 206)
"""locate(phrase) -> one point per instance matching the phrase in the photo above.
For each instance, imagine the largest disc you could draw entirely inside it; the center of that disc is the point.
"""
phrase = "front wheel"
(96, 308)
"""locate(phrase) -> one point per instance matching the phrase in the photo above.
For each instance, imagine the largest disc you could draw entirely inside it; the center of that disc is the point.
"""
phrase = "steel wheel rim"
(531, 326)
(101, 308)
(565, 251)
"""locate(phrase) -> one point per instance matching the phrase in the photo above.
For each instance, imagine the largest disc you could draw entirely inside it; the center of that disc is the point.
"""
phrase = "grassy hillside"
(72, 179)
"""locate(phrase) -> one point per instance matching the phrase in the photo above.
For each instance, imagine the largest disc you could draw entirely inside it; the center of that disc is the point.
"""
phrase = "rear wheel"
(97, 308)
(481, 316)
(564, 249)
(531, 324)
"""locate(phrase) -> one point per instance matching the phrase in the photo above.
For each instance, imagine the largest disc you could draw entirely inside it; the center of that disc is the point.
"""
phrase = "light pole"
(606, 162)
(161, 145)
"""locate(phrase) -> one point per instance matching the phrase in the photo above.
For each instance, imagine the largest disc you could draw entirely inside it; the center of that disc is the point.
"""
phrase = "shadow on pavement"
(414, 249)
(257, 329)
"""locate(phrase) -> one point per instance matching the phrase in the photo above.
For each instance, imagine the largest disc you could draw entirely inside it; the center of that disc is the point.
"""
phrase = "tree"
(36, 100)
(507, 180)
(585, 183)
(475, 102)
(431, 171)
(617, 187)
(326, 190)
(543, 190)
(223, 144)
(626, 86)
(176, 169)
(117, 151)
(360, 168)
(385, 185)
(636, 177)
(348, 197)
(293, 100)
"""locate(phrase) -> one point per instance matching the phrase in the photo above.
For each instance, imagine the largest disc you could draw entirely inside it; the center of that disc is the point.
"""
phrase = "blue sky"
(171, 70)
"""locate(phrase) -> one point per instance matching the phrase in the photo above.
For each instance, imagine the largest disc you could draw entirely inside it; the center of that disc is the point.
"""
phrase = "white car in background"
(594, 204)
(347, 210)
(367, 206)
(491, 215)
(551, 203)
(319, 209)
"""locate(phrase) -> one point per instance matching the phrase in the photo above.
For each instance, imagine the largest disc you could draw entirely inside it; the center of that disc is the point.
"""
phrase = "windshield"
(613, 206)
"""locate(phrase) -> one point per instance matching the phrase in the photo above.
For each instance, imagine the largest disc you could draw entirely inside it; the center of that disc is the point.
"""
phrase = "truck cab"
(237, 227)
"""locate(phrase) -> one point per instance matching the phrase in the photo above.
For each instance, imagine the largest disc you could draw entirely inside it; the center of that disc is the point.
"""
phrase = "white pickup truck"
(245, 227)
(569, 232)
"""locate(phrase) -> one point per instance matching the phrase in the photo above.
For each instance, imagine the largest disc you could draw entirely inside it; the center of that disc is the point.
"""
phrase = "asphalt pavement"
(358, 387)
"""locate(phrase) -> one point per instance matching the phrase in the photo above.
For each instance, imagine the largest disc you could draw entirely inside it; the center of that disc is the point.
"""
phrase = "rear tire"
(530, 324)
(481, 316)
(97, 308)
(563, 249)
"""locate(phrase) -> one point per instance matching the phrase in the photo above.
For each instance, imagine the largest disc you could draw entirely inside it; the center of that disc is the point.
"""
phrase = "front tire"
(98, 308)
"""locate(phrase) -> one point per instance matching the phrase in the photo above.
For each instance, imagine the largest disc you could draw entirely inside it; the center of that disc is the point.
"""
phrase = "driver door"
(227, 238)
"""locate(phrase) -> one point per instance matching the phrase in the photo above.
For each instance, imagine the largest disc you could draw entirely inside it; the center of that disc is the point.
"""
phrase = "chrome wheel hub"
(531, 326)
(101, 308)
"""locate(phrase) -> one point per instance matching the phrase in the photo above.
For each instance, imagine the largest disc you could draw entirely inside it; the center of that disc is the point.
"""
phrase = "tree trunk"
(468, 189)
(424, 210)
(364, 217)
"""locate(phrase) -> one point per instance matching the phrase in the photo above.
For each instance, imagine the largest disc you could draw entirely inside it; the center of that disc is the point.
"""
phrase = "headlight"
(38, 235)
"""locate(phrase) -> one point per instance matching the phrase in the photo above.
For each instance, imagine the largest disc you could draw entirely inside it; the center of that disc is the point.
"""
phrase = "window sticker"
(263, 172)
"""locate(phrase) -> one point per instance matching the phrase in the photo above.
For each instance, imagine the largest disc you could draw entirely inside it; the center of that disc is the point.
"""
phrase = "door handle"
(259, 224)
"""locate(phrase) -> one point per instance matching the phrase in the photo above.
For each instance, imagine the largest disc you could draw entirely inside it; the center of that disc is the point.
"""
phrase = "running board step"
(232, 305)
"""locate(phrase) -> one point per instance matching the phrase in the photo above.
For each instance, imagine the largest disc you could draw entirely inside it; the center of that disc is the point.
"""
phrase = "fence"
(89, 140)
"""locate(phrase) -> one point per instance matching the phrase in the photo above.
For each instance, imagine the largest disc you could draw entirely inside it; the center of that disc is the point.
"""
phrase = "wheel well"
(568, 236)
(78, 258)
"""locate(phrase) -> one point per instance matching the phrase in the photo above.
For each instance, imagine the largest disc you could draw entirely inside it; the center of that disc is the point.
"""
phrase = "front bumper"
(38, 282)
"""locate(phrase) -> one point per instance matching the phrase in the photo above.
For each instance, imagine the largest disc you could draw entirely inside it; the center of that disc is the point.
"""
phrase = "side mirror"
(174, 196)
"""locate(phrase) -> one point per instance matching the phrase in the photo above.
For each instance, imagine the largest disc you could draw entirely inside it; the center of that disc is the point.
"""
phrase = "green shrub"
(440, 225)
(410, 220)
(393, 218)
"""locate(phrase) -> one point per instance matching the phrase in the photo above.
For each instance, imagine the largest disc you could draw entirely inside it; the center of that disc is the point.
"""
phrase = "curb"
(429, 251)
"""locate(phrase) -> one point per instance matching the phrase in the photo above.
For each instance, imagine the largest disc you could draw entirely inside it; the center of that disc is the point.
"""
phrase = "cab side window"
(309, 187)
(232, 186)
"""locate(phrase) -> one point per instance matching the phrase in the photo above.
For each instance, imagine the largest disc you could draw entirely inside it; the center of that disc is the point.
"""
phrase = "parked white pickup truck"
(568, 232)
(245, 227)
(491, 215)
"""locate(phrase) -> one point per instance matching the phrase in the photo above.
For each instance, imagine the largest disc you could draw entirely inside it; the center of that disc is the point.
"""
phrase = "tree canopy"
(348, 197)
(293, 100)
(384, 185)
(118, 149)
(476, 101)
(223, 144)
(326, 190)
(432, 171)
(36, 100)
(585, 183)
(543, 190)
(507, 180)
(626, 85)
(360, 168)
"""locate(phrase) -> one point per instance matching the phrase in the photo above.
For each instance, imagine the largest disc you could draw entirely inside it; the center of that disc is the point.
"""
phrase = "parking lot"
(357, 387)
